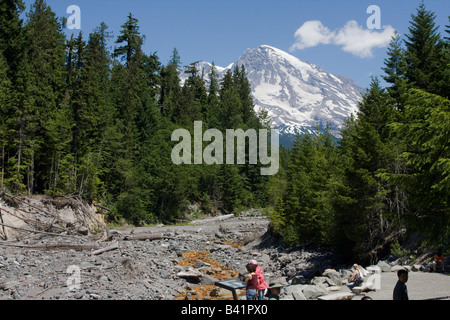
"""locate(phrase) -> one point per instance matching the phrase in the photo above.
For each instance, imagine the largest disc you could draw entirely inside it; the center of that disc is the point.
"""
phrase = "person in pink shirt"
(262, 284)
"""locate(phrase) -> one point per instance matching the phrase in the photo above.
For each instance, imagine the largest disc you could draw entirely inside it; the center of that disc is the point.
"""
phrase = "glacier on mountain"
(297, 95)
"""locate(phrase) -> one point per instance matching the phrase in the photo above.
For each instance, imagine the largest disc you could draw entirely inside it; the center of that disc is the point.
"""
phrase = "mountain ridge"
(298, 96)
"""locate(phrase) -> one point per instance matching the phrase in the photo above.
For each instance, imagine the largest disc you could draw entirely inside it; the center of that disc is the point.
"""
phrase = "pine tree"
(5, 91)
(128, 82)
(12, 35)
(213, 101)
(39, 83)
(424, 52)
(426, 133)
(368, 151)
(93, 112)
(131, 39)
(395, 69)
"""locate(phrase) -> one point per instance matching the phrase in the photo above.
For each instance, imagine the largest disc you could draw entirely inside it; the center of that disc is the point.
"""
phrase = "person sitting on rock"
(438, 261)
(356, 279)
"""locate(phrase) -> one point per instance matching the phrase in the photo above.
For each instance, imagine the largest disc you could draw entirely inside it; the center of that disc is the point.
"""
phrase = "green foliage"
(77, 119)
(390, 169)
(398, 251)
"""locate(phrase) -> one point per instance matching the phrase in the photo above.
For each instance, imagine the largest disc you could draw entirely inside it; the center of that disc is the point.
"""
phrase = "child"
(251, 280)
(262, 284)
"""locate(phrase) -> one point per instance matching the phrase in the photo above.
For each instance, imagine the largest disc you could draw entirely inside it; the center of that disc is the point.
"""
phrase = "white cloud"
(360, 41)
(352, 37)
(311, 34)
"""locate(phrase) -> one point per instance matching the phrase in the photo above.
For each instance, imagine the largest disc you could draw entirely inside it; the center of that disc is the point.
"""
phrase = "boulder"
(319, 281)
(397, 268)
(337, 296)
(365, 286)
(417, 267)
(336, 278)
(296, 290)
(298, 296)
(328, 271)
(385, 267)
(373, 269)
(312, 292)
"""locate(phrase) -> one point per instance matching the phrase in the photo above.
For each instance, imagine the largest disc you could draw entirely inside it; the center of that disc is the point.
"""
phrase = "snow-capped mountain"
(297, 95)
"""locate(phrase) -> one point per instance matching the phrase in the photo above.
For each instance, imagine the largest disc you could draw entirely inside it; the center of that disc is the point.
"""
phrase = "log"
(76, 247)
(144, 236)
(114, 246)
(36, 231)
(5, 237)
(219, 218)
(190, 274)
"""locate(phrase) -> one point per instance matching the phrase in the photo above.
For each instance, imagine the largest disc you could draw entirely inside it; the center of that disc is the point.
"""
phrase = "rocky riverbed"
(176, 263)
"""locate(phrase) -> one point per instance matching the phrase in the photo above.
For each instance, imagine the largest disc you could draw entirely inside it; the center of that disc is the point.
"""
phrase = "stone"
(8, 285)
(312, 292)
(328, 271)
(416, 267)
(296, 290)
(385, 267)
(336, 278)
(337, 296)
(298, 296)
(397, 268)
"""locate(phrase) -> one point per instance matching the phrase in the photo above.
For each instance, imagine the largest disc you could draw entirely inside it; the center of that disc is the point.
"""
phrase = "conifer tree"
(12, 35)
(38, 123)
(5, 91)
(395, 69)
(367, 152)
(426, 134)
(424, 52)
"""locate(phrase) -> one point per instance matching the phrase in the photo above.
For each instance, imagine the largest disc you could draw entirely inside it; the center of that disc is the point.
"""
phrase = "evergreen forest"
(79, 118)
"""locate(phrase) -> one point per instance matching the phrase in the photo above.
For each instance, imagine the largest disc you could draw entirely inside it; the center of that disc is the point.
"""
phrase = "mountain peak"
(297, 95)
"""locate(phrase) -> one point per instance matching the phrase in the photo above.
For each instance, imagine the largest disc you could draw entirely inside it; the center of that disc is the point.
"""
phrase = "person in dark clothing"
(400, 290)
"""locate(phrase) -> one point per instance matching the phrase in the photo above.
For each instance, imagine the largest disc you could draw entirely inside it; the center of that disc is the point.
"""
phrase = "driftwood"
(190, 274)
(28, 221)
(219, 218)
(114, 246)
(48, 247)
(144, 236)
(36, 231)
(5, 237)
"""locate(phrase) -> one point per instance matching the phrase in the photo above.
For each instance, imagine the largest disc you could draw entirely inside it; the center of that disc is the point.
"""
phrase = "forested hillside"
(78, 119)
(391, 169)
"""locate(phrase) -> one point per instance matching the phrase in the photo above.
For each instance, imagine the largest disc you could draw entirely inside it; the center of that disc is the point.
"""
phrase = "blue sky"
(331, 32)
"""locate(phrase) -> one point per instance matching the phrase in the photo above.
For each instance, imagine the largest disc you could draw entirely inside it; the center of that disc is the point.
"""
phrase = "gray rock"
(337, 296)
(296, 291)
(312, 292)
(336, 278)
(397, 268)
(417, 267)
(385, 267)
(8, 285)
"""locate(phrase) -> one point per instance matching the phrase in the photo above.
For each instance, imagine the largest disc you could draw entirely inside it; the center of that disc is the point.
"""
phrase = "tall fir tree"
(426, 134)
(425, 52)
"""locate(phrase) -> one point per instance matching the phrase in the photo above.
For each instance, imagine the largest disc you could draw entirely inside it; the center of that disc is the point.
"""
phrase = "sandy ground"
(421, 286)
